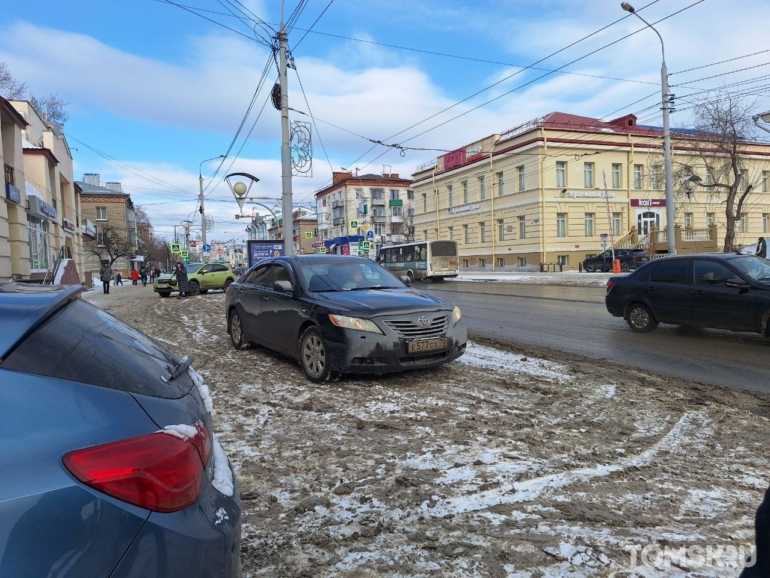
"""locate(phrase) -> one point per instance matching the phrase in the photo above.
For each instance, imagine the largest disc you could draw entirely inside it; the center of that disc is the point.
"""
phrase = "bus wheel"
(437, 279)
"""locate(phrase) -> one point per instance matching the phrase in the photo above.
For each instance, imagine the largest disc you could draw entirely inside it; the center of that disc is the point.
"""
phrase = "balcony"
(381, 202)
(396, 203)
(338, 205)
(339, 221)
(397, 219)
(379, 219)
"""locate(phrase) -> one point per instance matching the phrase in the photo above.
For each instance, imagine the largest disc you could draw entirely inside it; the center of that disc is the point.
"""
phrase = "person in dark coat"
(143, 275)
(181, 278)
(762, 248)
(105, 274)
(762, 528)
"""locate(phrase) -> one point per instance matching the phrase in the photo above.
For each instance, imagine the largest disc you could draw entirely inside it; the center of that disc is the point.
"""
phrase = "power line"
(207, 18)
(723, 74)
(720, 62)
(309, 30)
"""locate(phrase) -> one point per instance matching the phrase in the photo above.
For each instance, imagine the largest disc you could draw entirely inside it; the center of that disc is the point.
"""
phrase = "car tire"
(235, 329)
(590, 267)
(437, 279)
(640, 318)
(195, 288)
(227, 284)
(625, 267)
(164, 294)
(313, 357)
(204, 291)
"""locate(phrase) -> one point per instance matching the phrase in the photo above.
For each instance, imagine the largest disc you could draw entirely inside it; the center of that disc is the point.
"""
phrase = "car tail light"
(610, 283)
(160, 471)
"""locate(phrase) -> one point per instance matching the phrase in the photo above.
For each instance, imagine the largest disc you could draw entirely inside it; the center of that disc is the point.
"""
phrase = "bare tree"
(717, 148)
(10, 88)
(51, 108)
(111, 244)
(157, 252)
(409, 222)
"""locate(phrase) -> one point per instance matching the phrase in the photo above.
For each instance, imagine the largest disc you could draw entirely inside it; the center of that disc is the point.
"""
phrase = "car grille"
(409, 329)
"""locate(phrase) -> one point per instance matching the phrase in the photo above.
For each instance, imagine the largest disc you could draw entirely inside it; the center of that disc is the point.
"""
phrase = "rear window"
(443, 249)
(86, 344)
(670, 271)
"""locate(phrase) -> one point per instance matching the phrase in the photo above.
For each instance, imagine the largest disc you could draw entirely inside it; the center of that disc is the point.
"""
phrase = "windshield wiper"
(186, 362)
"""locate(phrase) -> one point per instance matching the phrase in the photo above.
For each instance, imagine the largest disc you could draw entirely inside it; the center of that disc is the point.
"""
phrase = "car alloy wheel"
(195, 289)
(236, 330)
(312, 355)
(227, 284)
(590, 267)
(625, 267)
(640, 319)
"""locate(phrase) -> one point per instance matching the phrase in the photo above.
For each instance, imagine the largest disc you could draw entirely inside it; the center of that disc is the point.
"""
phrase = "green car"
(200, 276)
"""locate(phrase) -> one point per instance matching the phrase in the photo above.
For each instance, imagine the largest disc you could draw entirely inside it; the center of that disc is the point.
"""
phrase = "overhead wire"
(309, 30)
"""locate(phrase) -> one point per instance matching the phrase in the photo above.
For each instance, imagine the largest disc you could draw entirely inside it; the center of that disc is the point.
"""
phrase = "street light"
(765, 116)
(670, 211)
(201, 197)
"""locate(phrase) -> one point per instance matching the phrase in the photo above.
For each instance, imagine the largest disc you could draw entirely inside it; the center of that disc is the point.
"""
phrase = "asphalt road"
(575, 320)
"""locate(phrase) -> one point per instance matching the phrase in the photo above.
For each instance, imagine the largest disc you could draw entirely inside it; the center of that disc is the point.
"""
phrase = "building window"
(482, 189)
(395, 212)
(451, 233)
(500, 230)
(482, 263)
(500, 184)
(465, 263)
(482, 233)
(562, 260)
(424, 203)
(425, 234)
(522, 228)
(394, 195)
(100, 239)
(709, 176)
(466, 240)
(638, 176)
(589, 224)
(688, 220)
(561, 174)
(561, 224)
(37, 230)
(657, 181)
(765, 222)
(744, 179)
(522, 178)
(465, 192)
(449, 195)
(617, 223)
(359, 193)
(410, 195)
(522, 261)
(588, 175)
(101, 213)
(379, 228)
(765, 177)
(500, 262)
(376, 195)
(616, 167)
(742, 223)
(709, 219)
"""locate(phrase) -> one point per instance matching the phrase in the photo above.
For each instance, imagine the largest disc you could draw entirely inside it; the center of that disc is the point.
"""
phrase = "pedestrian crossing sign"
(176, 248)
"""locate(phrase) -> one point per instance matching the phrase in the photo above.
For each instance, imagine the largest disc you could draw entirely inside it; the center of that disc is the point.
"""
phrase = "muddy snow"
(507, 462)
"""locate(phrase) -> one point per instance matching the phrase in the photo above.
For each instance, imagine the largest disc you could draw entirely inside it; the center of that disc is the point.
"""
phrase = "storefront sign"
(39, 208)
(260, 250)
(12, 193)
(587, 195)
(463, 209)
(68, 225)
(88, 229)
(648, 202)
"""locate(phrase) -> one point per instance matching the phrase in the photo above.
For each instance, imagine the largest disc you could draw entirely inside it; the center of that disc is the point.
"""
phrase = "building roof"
(88, 189)
(344, 178)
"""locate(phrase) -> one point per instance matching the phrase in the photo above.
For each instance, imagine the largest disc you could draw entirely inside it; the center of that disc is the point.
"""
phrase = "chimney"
(117, 187)
(393, 175)
(92, 179)
(340, 176)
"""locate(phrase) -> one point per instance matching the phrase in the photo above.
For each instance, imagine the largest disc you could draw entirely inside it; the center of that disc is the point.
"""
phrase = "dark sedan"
(109, 464)
(341, 314)
(630, 259)
(719, 290)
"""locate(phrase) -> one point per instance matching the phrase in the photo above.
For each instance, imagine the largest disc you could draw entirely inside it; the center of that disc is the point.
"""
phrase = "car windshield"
(329, 274)
(192, 267)
(755, 267)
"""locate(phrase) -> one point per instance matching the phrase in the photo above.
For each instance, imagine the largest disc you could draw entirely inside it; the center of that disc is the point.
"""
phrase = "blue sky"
(156, 89)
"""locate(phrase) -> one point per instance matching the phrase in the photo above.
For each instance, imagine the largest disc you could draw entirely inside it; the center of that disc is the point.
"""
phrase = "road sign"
(206, 248)
(604, 236)
(604, 244)
(308, 234)
(354, 224)
(364, 228)
(176, 248)
(193, 243)
(322, 250)
(370, 234)
(185, 254)
(367, 245)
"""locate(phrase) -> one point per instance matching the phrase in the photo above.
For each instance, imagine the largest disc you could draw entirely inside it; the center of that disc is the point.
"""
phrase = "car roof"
(24, 306)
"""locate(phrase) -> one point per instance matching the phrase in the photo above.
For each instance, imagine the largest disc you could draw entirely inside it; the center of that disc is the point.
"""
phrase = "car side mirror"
(407, 281)
(737, 283)
(283, 286)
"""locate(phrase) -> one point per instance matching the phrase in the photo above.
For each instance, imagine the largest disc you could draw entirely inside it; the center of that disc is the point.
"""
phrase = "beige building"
(305, 231)
(535, 194)
(382, 205)
(41, 209)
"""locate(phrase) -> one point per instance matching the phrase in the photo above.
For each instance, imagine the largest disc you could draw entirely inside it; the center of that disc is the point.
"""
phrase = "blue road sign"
(206, 248)
(370, 234)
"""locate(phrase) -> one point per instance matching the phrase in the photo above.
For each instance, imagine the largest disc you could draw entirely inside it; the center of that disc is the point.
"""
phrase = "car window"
(621, 253)
(605, 255)
(346, 275)
(206, 269)
(218, 268)
(755, 267)
(670, 271)
(711, 273)
(257, 275)
(281, 273)
(86, 344)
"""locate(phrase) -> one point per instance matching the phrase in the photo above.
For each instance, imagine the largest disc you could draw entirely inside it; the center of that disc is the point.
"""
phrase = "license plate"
(427, 345)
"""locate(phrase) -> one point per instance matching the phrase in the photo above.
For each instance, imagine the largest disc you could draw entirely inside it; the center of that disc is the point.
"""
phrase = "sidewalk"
(569, 278)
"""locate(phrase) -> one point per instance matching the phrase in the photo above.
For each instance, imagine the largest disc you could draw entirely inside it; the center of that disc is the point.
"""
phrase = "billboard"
(260, 250)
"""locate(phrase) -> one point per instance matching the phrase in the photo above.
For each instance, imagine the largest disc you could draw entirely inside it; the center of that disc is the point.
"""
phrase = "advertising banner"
(261, 250)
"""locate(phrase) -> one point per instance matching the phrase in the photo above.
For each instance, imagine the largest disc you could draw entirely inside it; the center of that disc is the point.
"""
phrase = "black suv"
(629, 259)
(716, 290)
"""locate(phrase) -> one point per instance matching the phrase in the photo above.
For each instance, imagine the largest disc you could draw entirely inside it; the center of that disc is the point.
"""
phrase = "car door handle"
(649, 288)
(698, 292)
(265, 298)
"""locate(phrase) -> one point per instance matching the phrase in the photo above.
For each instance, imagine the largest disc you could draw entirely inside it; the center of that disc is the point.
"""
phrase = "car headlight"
(456, 314)
(354, 323)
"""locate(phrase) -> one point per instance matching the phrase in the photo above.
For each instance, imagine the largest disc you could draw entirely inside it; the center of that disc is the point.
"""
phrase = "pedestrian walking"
(105, 274)
(181, 278)
(134, 276)
(762, 248)
(143, 275)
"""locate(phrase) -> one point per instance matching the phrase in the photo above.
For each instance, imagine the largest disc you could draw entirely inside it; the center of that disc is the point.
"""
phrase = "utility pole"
(201, 198)
(288, 218)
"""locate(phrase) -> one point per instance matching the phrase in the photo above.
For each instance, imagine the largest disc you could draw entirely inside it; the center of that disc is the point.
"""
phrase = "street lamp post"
(201, 197)
(670, 209)
(765, 116)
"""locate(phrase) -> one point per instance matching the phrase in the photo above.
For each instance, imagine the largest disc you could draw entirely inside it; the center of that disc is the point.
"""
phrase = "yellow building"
(535, 194)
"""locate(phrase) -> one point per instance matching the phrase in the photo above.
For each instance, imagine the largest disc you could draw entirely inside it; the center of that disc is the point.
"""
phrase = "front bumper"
(164, 286)
(351, 351)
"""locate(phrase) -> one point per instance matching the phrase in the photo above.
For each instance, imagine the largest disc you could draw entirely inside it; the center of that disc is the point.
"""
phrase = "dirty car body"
(364, 319)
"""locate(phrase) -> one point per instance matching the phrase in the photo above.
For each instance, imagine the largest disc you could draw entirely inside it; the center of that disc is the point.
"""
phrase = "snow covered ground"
(503, 463)
(574, 278)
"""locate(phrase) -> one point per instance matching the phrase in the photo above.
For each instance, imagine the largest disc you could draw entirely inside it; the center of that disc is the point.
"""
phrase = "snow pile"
(185, 432)
(223, 475)
(203, 389)
(489, 358)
